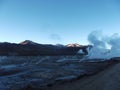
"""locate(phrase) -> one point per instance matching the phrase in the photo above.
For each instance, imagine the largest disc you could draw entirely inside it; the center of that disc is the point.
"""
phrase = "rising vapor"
(100, 43)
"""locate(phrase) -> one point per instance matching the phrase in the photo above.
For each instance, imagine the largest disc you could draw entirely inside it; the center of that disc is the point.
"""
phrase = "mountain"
(30, 48)
(26, 42)
(73, 45)
(60, 45)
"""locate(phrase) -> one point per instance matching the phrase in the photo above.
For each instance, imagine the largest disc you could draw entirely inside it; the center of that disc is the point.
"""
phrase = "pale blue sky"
(57, 21)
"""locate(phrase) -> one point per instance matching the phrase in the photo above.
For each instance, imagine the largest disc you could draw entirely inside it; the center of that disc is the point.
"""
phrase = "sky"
(57, 21)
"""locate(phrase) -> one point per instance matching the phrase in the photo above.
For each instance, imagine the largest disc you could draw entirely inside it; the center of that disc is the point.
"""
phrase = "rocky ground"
(47, 72)
(108, 79)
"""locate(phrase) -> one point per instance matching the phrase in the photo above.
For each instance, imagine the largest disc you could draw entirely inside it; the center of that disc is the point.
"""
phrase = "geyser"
(100, 44)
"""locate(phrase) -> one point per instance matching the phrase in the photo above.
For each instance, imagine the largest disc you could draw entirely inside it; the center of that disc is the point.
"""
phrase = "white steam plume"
(100, 49)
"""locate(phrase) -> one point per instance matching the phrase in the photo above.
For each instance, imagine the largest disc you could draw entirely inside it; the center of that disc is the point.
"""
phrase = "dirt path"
(108, 79)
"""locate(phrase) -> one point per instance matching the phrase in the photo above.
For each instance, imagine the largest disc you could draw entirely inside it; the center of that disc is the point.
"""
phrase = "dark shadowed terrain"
(108, 79)
(29, 48)
(48, 72)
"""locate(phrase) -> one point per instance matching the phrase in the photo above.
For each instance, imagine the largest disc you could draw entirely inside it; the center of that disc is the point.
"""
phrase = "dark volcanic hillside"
(28, 47)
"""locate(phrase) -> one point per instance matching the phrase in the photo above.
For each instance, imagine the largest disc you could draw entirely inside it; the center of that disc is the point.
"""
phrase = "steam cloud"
(100, 44)
(55, 37)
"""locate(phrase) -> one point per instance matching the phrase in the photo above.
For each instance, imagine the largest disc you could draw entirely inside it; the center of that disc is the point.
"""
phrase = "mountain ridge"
(30, 48)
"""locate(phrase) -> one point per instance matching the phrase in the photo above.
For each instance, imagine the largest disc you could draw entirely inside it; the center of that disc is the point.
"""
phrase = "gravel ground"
(36, 73)
(109, 79)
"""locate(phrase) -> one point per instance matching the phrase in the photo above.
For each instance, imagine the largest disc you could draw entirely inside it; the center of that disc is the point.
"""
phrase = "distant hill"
(73, 45)
(28, 42)
(31, 48)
